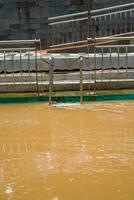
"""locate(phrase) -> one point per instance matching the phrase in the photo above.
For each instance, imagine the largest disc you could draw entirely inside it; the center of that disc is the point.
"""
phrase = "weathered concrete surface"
(19, 76)
(69, 86)
(68, 76)
(71, 62)
(67, 81)
(64, 62)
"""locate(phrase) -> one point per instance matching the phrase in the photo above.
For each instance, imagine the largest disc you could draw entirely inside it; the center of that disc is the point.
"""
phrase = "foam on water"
(8, 189)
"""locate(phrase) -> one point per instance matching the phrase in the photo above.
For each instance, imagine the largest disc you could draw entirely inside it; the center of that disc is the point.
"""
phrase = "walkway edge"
(67, 99)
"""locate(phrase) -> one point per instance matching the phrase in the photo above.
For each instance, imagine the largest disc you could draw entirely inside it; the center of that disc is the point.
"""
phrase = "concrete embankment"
(114, 73)
(64, 61)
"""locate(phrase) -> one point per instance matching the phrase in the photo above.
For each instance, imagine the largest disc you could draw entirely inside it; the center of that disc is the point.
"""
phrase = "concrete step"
(67, 85)
(62, 82)
(100, 75)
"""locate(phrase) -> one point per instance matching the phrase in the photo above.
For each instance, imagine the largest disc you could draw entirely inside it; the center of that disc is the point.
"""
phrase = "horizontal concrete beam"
(66, 62)
(69, 85)
(87, 75)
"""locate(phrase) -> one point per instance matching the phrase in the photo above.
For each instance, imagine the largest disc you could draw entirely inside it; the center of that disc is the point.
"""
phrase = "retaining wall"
(65, 62)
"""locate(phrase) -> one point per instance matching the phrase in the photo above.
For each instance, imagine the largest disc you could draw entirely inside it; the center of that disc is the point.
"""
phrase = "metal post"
(81, 79)
(102, 59)
(57, 33)
(41, 68)
(110, 24)
(118, 62)
(126, 49)
(105, 27)
(51, 63)
(90, 74)
(21, 66)
(29, 66)
(110, 51)
(5, 64)
(115, 24)
(61, 34)
(36, 68)
(126, 23)
(53, 34)
(95, 66)
(77, 31)
(73, 32)
(13, 67)
(89, 22)
(131, 28)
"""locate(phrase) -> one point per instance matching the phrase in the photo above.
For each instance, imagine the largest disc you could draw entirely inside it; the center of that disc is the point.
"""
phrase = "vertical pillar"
(13, 67)
(126, 49)
(21, 66)
(36, 68)
(81, 79)
(28, 56)
(51, 64)
(110, 51)
(95, 68)
(102, 64)
(118, 50)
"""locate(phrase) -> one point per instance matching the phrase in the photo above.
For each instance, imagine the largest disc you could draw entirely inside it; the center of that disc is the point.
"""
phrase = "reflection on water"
(67, 152)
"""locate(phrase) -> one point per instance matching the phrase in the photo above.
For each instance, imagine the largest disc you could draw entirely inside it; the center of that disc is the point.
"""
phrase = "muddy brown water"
(67, 152)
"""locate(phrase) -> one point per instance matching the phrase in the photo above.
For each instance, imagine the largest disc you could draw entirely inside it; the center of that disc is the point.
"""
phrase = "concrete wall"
(27, 19)
(22, 78)
(106, 3)
(65, 62)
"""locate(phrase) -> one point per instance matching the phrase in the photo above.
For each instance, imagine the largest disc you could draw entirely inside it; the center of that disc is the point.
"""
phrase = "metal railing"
(52, 81)
(105, 66)
(77, 27)
(20, 66)
(114, 63)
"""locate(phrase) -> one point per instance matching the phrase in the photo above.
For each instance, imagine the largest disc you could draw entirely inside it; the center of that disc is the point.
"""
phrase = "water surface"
(67, 152)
